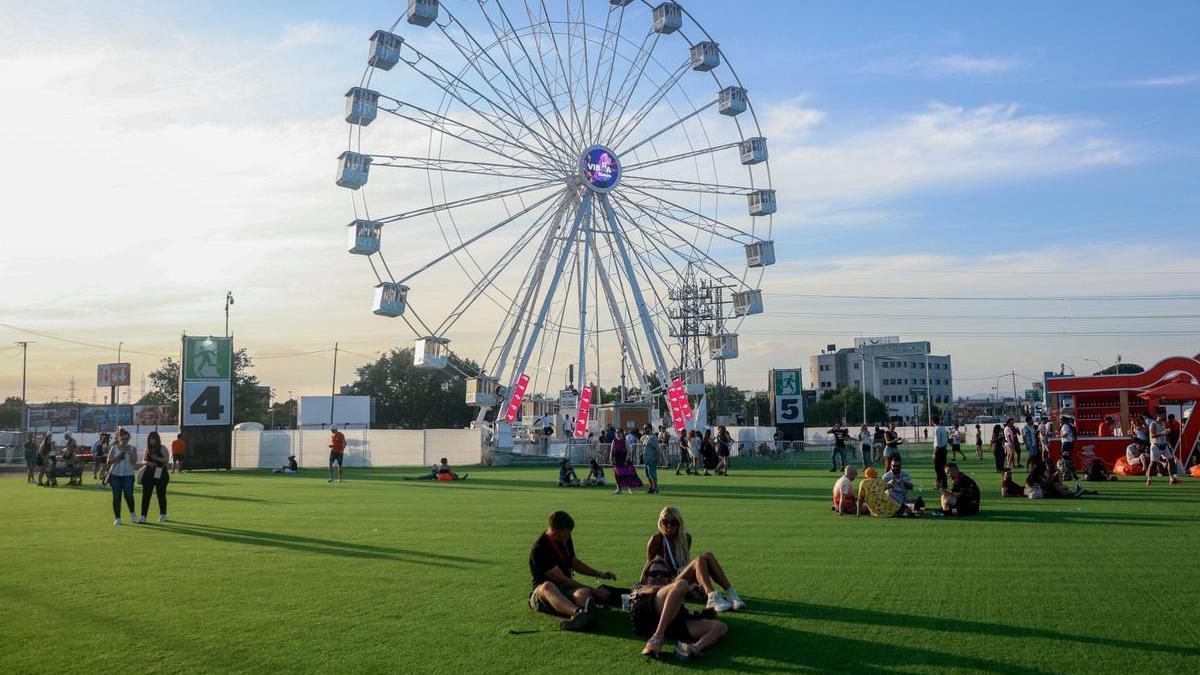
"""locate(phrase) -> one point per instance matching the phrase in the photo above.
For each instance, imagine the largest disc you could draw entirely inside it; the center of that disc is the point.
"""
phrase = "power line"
(80, 343)
(1005, 317)
(994, 333)
(978, 298)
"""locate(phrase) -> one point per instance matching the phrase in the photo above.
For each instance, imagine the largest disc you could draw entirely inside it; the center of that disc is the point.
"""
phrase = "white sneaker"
(141, 520)
(718, 602)
(736, 600)
(330, 480)
(117, 522)
(162, 518)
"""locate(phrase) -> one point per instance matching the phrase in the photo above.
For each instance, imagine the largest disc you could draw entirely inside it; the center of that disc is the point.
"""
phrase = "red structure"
(1091, 399)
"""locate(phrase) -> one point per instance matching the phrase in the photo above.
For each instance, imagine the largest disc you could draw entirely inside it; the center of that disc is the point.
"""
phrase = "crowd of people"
(115, 463)
(671, 577)
(646, 448)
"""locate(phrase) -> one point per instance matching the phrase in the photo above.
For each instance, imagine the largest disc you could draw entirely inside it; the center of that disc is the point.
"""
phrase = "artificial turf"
(264, 573)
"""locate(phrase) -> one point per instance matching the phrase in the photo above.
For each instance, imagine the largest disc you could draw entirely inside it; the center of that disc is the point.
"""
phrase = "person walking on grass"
(337, 448)
(685, 455)
(155, 475)
(120, 469)
(840, 434)
(864, 445)
(724, 444)
(31, 453)
(978, 442)
(650, 458)
(941, 445)
(99, 455)
(1012, 444)
(1030, 436)
(998, 447)
(46, 462)
(552, 563)
(956, 439)
(891, 443)
(1160, 451)
(178, 447)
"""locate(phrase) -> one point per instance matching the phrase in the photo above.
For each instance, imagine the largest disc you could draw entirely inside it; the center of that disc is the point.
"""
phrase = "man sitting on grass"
(898, 483)
(961, 496)
(551, 563)
(566, 475)
(843, 492)
(444, 469)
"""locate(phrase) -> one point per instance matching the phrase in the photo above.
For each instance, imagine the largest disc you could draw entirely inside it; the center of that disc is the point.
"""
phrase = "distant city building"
(893, 371)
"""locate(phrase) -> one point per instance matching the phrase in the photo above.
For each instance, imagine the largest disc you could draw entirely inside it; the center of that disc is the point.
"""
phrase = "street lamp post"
(228, 303)
(1099, 367)
(862, 380)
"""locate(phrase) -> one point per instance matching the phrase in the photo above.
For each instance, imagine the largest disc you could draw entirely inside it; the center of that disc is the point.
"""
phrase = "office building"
(893, 371)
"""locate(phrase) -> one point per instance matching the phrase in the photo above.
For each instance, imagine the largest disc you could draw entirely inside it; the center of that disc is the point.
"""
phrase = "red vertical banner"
(681, 408)
(585, 407)
(514, 404)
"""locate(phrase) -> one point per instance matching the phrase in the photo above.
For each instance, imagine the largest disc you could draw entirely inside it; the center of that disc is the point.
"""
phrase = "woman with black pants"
(155, 476)
(998, 447)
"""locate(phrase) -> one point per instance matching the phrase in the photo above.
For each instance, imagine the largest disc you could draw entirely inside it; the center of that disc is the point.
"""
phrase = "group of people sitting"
(568, 478)
(656, 604)
(888, 496)
(1046, 480)
(439, 471)
(1150, 449)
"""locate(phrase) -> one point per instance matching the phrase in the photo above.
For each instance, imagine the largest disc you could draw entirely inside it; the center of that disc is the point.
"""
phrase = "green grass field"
(262, 573)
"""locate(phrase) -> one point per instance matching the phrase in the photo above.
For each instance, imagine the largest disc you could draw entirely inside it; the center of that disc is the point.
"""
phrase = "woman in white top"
(864, 444)
(120, 469)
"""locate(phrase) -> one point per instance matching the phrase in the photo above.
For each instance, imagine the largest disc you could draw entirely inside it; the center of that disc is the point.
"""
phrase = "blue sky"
(1018, 148)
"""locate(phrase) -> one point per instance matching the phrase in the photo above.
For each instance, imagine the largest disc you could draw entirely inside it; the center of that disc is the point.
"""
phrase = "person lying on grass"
(673, 544)
(595, 477)
(843, 492)
(552, 562)
(656, 605)
(961, 496)
(566, 475)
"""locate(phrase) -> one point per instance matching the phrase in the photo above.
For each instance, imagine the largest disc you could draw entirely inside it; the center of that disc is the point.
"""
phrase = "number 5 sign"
(206, 404)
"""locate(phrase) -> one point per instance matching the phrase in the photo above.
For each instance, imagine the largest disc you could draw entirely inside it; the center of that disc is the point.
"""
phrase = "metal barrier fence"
(749, 453)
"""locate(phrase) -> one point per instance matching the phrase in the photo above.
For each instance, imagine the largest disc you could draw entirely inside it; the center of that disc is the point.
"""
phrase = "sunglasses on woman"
(669, 522)
(658, 574)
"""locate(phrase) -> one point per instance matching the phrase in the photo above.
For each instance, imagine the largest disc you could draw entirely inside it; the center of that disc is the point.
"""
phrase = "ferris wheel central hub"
(600, 169)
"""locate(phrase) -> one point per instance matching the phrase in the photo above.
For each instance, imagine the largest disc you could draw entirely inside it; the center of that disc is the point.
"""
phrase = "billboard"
(112, 375)
(97, 418)
(207, 393)
(787, 398)
(155, 415)
(58, 418)
(884, 340)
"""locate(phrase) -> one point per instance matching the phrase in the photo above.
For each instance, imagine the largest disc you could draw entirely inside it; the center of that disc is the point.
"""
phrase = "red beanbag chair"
(1122, 468)
(445, 476)
(1195, 471)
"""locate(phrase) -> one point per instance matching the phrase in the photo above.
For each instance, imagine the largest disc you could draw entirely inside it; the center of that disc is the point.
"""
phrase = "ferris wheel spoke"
(669, 127)
(612, 62)
(515, 171)
(515, 89)
(665, 229)
(564, 70)
(536, 74)
(447, 126)
(686, 186)
(680, 157)
(453, 86)
(632, 79)
(623, 132)
(717, 227)
(477, 237)
(478, 199)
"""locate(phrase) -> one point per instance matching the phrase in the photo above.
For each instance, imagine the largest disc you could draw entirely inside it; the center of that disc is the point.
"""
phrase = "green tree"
(10, 413)
(844, 404)
(730, 399)
(758, 405)
(249, 405)
(1122, 369)
(415, 398)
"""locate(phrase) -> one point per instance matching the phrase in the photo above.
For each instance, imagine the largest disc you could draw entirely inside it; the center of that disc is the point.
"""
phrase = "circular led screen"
(600, 168)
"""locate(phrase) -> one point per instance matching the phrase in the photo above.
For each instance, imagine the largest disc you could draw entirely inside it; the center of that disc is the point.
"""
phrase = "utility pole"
(333, 386)
(1016, 401)
(71, 386)
(24, 403)
(928, 394)
(228, 302)
(862, 380)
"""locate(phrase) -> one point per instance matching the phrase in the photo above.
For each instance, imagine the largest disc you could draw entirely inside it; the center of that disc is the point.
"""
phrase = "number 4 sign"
(206, 404)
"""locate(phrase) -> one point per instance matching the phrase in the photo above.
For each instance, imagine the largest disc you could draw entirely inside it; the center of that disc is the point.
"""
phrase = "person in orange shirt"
(337, 447)
(178, 446)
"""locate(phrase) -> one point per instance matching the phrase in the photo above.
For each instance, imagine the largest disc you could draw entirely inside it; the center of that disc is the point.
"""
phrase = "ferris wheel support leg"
(660, 364)
(618, 321)
(584, 212)
(583, 289)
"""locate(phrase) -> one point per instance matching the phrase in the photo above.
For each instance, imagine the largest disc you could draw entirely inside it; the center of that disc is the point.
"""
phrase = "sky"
(1005, 155)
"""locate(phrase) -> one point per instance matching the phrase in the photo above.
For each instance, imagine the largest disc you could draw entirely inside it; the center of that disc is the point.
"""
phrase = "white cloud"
(946, 65)
(309, 33)
(1181, 80)
(943, 147)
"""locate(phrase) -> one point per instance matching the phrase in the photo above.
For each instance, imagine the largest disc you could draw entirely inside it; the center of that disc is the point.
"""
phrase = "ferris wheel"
(553, 170)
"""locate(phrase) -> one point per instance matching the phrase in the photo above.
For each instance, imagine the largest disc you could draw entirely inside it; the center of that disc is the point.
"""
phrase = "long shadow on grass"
(793, 650)
(300, 544)
(225, 498)
(714, 491)
(872, 618)
(1080, 518)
